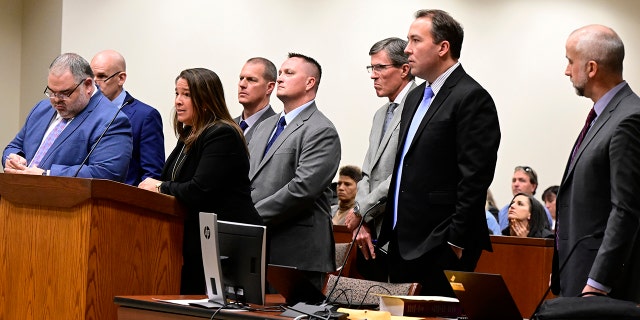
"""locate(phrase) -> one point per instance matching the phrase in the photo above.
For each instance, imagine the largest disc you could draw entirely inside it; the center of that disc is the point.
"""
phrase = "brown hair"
(209, 106)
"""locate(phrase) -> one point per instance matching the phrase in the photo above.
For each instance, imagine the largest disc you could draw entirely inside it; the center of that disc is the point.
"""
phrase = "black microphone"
(595, 235)
(126, 102)
(335, 283)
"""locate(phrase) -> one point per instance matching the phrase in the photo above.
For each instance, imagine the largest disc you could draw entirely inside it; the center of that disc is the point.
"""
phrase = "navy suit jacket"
(147, 158)
(109, 160)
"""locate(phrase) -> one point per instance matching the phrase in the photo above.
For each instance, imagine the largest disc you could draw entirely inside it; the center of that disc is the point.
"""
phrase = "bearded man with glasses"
(60, 135)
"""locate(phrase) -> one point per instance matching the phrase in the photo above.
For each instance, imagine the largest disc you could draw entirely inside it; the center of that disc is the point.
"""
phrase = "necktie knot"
(282, 122)
(243, 125)
(428, 93)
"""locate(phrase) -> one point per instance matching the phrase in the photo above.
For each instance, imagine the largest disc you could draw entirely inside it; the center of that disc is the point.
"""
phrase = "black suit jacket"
(447, 169)
(214, 177)
(600, 191)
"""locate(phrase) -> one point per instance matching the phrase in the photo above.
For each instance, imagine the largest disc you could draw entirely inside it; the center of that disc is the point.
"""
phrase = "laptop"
(483, 296)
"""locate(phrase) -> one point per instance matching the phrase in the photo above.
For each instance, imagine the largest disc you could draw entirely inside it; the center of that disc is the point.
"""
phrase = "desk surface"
(148, 307)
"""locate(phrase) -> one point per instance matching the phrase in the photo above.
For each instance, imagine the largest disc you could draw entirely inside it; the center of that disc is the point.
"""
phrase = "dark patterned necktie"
(583, 133)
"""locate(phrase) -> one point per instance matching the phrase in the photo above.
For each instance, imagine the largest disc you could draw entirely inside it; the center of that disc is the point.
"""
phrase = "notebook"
(483, 296)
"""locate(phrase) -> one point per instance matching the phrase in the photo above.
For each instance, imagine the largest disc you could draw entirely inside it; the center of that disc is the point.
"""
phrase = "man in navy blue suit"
(61, 130)
(147, 158)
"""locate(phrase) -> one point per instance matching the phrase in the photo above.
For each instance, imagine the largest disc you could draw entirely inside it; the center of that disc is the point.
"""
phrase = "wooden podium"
(525, 266)
(68, 246)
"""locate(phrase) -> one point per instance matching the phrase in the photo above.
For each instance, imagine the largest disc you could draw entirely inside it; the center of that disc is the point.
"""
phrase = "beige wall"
(31, 38)
(515, 48)
(10, 40)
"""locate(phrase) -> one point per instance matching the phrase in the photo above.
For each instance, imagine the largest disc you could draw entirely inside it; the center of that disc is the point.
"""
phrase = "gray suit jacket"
(378, 163)
(290, 189)
(600, 191)
(268, 113)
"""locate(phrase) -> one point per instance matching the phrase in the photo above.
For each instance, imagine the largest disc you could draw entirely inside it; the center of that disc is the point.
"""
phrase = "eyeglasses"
(62, 95)
(377, 68)
(109, 77)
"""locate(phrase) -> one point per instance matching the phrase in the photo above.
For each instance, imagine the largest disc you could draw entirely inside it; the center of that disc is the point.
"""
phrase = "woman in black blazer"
(208, 169)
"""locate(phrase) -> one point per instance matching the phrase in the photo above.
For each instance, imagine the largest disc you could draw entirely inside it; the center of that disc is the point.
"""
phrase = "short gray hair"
(79, 67)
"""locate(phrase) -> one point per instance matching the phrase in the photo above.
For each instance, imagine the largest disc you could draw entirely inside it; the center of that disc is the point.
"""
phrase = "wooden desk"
(147, 308)
(525, 265)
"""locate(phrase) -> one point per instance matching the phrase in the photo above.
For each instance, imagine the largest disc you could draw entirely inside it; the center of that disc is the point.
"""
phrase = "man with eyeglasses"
(147, 158)
(392, 80)
(61, 130)
(524, 180)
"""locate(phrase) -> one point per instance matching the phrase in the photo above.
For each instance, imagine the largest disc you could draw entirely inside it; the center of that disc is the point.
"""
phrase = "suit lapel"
(435, 105)
(395, 123)
(291, 128)
(75, 124)
(596, 127)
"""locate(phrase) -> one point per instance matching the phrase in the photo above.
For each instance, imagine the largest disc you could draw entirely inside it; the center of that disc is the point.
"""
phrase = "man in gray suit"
(392, 79)
(294, 157)
(600, 189)
(257, 81)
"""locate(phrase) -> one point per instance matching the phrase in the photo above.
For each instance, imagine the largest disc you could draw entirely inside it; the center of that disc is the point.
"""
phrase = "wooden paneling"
(525, 266)
(70, 245)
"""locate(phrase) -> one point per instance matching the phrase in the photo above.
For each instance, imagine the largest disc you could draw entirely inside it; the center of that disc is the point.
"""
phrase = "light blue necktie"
(413, 128)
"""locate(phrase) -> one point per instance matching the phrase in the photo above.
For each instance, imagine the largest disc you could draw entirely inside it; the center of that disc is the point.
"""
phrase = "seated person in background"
(348, 178)
(549, 198)
(527, 218)
(491, 206)
(208, 170)
(492, 223)
(525, 180)
(61, 129)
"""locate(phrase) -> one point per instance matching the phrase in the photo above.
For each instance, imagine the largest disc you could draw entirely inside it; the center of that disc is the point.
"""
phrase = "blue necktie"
(413, 128)
(243, 125)
(281, 124)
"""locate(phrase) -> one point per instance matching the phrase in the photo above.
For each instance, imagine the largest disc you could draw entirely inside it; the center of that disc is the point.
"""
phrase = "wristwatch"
(356, 210)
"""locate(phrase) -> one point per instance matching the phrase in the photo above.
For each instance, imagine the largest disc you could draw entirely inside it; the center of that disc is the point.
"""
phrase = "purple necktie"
(587, 124)
(48, 142)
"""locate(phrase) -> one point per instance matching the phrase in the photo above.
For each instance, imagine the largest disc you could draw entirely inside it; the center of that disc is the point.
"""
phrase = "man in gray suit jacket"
(294, 157)
(600, 189)
(257, 80)
(392, 79)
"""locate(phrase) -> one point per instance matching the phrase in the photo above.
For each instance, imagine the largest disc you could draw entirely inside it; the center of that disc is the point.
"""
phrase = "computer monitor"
(243, 261)
(211, 258)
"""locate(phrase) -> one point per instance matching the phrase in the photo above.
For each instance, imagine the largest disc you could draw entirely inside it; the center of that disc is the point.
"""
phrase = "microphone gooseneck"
(346, 258)
(595, 235)
(126, 102)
